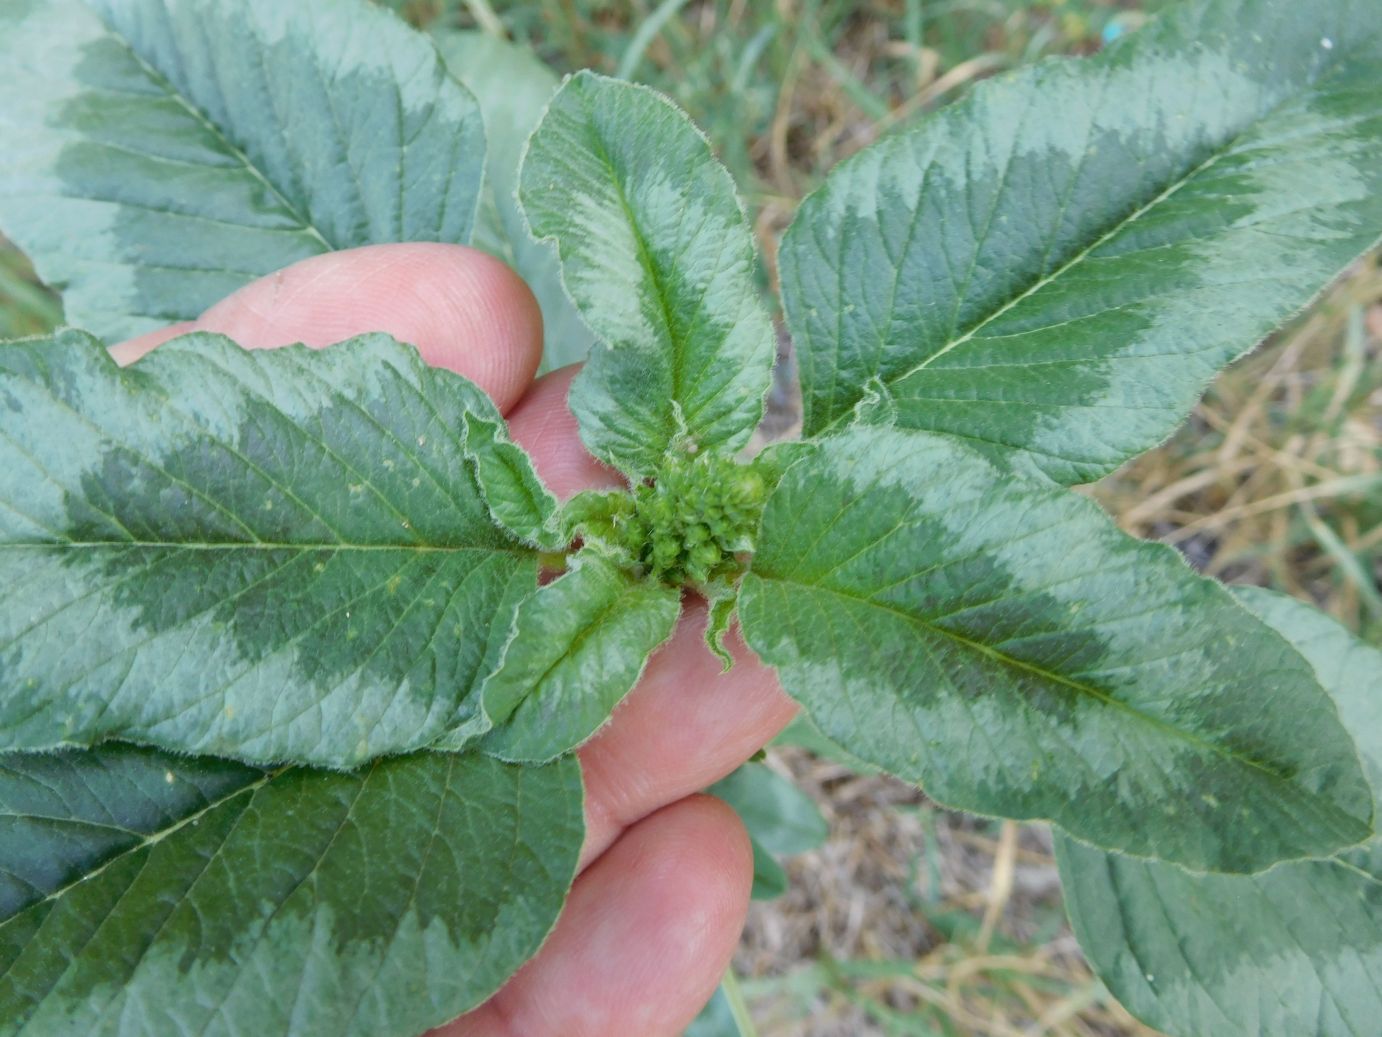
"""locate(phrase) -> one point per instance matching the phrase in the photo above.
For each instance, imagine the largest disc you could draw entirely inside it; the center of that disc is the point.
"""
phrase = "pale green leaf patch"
(1059, 263)
(578, 647)
(517, 500)
(658, 257)
(997, 640)
(147, 893)
(269, 555)
(1295, 951)
(159, 154)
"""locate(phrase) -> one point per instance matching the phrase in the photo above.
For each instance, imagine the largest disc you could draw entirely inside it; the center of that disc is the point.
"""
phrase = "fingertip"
(684, 727)
(542, 423)
(698, 829)
(464, 310)
(647, 933)
(730, 848)
(485, 321)
(130, 350)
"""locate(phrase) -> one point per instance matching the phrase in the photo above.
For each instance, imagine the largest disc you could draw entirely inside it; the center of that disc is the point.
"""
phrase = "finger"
(545, 427)
(646, 934)
(684, 727)
(687, 724)
(464, 310)
(132, 349)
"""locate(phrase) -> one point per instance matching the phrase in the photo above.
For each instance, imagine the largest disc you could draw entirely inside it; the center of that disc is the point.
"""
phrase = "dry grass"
(1277, 478)
(911, 919)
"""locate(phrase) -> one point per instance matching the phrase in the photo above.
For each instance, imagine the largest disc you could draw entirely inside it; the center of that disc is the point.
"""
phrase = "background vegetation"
(911, 920)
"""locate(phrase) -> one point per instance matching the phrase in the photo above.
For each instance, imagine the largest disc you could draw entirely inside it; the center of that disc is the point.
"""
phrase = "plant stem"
(738, 1007)
(486, 18)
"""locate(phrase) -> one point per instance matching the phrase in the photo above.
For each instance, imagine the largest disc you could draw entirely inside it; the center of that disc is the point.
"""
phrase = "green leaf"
(803, 733)
(774, 459)
(517, 500)
(159, 154)
(590, 513)
(782, 818)
(997, 640)
(1060, 262)
(719, 615)
(145, 893)
(270, 555)
(658, 257)
(770, 878)
(578, 647)
(716, 1019)
(1295, 952)
(781, 821)
(513, 87)
(470, 719)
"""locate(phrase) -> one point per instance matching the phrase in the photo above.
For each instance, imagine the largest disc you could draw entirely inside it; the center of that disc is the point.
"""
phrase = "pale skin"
(665, 873)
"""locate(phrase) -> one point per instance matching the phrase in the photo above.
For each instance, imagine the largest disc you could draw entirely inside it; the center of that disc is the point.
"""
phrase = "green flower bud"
(687, 526)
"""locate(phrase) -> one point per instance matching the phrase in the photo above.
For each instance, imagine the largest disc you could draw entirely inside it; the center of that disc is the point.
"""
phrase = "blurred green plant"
(786, 89)
(26, 307)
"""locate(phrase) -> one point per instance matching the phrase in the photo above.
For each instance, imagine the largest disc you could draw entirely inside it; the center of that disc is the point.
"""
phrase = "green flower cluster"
(691, 526)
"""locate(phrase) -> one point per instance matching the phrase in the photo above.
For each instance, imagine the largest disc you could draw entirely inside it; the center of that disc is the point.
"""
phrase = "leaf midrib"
(186, 103)
(573, 647)
(1362, 873)
(645, 260)
(146, 840)
(1117, 228)
(257, 545)
(1086, 689)
(1055, 275)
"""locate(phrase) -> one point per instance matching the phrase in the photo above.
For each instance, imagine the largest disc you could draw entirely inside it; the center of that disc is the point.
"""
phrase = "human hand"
(665, 874)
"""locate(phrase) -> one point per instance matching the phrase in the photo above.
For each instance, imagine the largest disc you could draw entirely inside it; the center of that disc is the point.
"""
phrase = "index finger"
(463, 310)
